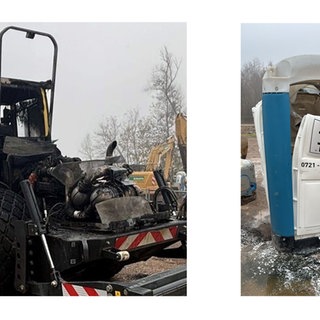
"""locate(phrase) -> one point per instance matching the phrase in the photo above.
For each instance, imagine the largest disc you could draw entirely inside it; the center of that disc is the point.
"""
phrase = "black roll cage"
(30, 34)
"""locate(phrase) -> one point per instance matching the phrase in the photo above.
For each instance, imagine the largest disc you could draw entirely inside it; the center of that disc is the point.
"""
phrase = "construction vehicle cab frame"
(66, 225)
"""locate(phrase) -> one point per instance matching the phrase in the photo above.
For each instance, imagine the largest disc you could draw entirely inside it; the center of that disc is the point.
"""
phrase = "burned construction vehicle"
(67, 226)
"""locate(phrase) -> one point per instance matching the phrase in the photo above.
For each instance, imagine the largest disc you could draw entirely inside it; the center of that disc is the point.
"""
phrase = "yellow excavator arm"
(145, 179)
(181, 134)
(156, 154)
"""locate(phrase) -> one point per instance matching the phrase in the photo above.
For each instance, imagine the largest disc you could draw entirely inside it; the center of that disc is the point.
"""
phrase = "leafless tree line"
(251, 88)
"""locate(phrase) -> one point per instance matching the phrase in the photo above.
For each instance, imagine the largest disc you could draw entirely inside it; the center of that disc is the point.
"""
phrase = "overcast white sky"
(272, 42)
(103, 69)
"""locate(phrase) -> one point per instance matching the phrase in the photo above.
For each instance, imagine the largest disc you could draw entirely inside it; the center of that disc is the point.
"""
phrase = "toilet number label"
(309, 165)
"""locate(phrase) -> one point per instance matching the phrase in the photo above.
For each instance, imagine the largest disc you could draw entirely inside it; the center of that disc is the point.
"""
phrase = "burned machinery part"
(39, 226)
(67, 226)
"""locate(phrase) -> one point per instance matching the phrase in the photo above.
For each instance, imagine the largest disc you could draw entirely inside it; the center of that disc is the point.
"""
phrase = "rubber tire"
(12, 208)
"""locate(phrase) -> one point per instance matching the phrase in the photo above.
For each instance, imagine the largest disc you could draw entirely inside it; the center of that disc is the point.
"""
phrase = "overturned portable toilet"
(287, 123)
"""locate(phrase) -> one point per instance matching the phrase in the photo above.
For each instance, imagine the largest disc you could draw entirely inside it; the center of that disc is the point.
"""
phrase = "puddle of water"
(267, 272)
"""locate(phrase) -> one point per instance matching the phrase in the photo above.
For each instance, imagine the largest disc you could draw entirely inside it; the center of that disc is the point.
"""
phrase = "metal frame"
(30, 34)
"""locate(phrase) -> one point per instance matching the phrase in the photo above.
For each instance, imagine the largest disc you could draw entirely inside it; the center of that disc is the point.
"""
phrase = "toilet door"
(306, 178)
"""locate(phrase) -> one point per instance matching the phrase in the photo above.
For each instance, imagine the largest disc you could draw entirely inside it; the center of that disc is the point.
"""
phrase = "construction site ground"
(255, 215)
(151, 266)
(264, 270)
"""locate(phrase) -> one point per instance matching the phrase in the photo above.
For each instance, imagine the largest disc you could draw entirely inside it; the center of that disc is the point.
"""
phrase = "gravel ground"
(255, 214)
(144, 268)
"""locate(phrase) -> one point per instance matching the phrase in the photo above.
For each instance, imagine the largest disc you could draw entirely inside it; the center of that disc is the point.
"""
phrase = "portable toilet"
(287, 124)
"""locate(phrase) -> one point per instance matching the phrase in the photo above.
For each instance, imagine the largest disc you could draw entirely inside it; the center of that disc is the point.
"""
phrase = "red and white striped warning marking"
(145, 238)
(69, 289)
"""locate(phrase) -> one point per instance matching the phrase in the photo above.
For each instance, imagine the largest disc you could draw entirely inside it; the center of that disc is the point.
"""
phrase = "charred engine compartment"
(69, 190)
(73, 189)
(93, 218)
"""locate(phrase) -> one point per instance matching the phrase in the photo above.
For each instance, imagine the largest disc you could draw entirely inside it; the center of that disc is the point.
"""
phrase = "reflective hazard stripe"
(69, 289)
(145, 238)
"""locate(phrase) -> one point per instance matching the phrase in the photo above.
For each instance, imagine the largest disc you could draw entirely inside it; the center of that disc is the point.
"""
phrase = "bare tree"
(169, 101)
(129, 136)
(87, 149)
(251, 88)
(136, 135)
(108, 131)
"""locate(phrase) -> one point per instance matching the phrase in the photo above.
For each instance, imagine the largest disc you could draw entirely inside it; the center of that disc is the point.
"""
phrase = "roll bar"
(30, 34)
